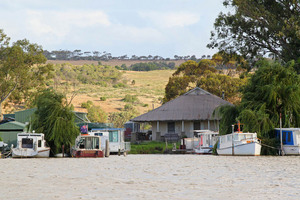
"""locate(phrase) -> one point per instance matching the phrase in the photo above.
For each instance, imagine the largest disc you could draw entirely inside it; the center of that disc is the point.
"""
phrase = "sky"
(132, 27)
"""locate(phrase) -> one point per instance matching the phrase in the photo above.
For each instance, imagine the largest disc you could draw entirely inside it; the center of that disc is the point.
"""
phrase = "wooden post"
(281, 143)
(107, 148)
(63, 150)
(232, 142)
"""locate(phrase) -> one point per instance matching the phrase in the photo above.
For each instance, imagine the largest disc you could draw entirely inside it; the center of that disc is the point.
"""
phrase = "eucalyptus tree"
(257, 28)
(22, 69)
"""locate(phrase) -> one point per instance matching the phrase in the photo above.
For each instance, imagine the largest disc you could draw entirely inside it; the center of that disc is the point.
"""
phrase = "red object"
(89, 154)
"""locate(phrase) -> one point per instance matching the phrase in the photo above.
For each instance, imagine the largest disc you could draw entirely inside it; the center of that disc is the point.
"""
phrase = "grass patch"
(150, 148)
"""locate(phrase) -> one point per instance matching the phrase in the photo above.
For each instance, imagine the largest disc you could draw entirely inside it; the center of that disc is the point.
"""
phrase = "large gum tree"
(259, 27)
(22, 69)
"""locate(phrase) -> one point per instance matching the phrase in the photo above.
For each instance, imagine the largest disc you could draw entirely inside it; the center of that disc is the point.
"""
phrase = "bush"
(102, 98)
(130, 98)
(87, 104)
(96, 114)
(119, 85)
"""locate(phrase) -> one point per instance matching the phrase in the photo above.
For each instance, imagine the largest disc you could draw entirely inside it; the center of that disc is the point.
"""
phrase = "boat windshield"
(27, 143)
(89, 143)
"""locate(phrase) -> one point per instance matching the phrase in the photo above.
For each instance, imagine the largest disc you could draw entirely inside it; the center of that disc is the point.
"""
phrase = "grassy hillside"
(148, 87)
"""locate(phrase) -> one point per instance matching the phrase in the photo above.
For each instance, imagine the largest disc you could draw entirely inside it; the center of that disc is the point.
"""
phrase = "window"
(289, 136)
(39, 143)
(284, 137)
(171, 127)
(113, 136)
(27, 143)
(197, 125)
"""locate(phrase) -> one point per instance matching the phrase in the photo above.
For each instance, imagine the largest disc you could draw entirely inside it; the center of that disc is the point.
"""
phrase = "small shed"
(9, 131)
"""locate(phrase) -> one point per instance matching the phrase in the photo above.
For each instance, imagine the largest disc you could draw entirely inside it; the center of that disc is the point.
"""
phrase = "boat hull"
(291, 150)
(247, 149)
(203, 151)
(30, 153)
(87, 154)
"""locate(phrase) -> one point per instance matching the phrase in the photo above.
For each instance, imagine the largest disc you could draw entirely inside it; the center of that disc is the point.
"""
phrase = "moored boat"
(31, 145)
(206, 139)
(87, 146)
(239, 144)
(290, 140)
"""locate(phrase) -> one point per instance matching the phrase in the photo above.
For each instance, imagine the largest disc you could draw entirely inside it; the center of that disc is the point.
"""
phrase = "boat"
(239, 144)
(116, 138)
(206, 139)
(290, 140)
(31, 145)
(87, 146)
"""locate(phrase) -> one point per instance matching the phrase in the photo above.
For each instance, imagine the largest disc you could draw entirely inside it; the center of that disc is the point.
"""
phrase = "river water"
(151, 177)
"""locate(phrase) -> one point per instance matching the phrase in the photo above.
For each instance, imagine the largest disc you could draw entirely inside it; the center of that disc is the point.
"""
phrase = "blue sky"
(132, 27)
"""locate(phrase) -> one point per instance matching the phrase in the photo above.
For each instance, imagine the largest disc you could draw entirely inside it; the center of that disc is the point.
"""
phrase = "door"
(171, 127)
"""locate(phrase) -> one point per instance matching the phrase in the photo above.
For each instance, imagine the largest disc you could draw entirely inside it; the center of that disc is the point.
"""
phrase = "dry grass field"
(148, 87)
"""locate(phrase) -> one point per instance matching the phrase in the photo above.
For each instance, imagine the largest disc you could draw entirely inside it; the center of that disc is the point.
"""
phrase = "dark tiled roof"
(196, 104)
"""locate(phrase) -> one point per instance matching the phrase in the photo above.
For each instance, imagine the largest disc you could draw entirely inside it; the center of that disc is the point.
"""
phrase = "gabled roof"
(197, 104)
(13, 125)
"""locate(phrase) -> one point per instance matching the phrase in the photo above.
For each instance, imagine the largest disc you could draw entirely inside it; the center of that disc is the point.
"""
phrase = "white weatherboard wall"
(188, 128)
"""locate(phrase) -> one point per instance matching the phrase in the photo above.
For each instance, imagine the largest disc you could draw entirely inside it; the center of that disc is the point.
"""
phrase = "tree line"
(105, 56)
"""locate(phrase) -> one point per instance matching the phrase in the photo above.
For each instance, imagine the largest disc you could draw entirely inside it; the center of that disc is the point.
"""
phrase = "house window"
(197, 125)
(171, 127)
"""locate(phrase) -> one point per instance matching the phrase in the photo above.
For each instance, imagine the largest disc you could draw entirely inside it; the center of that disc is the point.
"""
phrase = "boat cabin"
(31, 145)
(31, 140)
(87, 146)
(115, 137)
(290, 140)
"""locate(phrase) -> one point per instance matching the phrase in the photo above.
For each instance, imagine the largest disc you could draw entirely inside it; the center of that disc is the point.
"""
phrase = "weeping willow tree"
(55, 119)
(272, 90)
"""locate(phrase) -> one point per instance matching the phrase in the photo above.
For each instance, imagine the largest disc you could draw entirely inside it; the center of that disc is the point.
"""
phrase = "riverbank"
(151, 177)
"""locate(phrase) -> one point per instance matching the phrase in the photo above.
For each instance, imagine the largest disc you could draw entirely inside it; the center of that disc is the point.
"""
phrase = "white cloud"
(59, 23)
(171, 19)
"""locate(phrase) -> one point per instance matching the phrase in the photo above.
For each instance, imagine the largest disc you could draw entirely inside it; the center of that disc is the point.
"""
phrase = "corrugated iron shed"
(197, 104)
(9, 131)
(13, 125)
(24, 115)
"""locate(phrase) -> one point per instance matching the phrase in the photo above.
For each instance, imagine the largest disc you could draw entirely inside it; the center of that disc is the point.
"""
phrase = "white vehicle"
(31, 145)
(115, 137)
(239, 144)
(290, 140)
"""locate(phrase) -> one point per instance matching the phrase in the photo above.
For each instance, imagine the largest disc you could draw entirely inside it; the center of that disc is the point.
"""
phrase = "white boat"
(31, 145)
(206, 139)
(239, 144)
(290, 140)
(115, 136)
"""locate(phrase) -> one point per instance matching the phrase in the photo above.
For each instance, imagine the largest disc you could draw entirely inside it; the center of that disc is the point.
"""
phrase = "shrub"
(102, 98)
(87, 104)
(96, 114)
(130, 98)
(119, 85)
